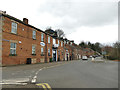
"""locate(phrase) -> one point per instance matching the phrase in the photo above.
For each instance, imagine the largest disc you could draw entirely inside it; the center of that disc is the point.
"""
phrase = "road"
(71, 74)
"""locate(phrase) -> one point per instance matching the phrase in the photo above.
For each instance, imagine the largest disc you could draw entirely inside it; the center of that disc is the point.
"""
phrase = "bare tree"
(60, 33)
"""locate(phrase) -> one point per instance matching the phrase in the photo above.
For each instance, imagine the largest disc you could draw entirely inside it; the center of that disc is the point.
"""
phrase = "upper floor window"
(14, 28)
(58, 42)
(34, 34)
(33, 49)
(54, 41)
(49, 39)
(64, 42)
(71, 43)
(67, 42)
(48, 52)
(61, 43)
(42, 37)
(13, 48)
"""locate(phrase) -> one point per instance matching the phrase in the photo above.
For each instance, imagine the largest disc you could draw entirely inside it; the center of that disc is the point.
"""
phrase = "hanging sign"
(42, 43)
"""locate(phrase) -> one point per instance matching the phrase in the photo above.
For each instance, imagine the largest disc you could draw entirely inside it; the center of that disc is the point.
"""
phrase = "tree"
(83, 44)
(60, 33)
(113, 51)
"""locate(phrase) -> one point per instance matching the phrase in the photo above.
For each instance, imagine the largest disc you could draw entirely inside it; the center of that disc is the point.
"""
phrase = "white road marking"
(34, 79)
(17, 80)
(13, 83)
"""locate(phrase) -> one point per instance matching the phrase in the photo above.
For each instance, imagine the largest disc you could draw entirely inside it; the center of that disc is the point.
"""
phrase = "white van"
(84, 58)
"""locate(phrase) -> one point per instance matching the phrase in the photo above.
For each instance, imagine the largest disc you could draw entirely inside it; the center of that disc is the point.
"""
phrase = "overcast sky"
(81, 20)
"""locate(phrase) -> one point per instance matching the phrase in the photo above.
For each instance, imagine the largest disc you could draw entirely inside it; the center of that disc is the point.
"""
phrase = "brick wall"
(24, 49)
(0, 40)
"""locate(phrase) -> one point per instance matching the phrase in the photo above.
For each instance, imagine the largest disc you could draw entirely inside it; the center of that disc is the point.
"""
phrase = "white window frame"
(49, 51)
(14, 28)
(33, 49)
(42, 37)
(48, 39)
(13, 49)
(34, 34)
(42, 50)
(64, 42)
(54, 41)
(67, 42)
(58, 42)
(61, 44)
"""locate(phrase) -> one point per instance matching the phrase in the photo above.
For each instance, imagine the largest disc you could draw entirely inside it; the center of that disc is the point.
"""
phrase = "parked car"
(90, 56)
(84, 58)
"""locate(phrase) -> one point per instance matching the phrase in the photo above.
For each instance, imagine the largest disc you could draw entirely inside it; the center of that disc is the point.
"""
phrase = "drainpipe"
(1, 40)
(45, 48)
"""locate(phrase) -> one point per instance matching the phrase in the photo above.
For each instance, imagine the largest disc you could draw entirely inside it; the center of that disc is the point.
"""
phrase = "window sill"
(34, 54)
(42, 54)
(34, 39)
(12, 54)
(14, 33)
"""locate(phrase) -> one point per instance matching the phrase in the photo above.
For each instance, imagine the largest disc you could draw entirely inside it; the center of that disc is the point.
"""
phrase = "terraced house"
(22, 43)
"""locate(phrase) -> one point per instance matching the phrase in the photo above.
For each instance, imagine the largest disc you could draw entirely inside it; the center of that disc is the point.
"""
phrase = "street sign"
(42, 43)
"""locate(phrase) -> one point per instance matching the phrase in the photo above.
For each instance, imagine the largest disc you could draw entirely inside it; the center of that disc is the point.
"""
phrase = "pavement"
(66, 74)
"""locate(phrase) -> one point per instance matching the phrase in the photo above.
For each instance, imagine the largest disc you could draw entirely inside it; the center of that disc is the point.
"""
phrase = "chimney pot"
(25, 20)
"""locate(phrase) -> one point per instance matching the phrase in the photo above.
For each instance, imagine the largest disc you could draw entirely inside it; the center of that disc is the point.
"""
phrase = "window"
(58, 52)
(67, 42)
(48, 52)
(64, 42)
(61, 43)
(34, 34)
(48, 39)
(42, 51)
(13, 48)
(71, 43)
(14, 28)
(42, 37)
(33, 50)
(54, 41)
(58, 42)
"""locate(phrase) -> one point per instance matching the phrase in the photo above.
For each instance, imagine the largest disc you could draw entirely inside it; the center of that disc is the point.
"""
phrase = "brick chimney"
(25, 20)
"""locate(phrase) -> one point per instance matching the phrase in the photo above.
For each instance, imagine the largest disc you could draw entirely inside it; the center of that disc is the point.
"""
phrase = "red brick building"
(23, 43)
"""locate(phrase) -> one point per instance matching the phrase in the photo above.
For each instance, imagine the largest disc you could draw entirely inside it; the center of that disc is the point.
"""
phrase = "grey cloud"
(77, 14)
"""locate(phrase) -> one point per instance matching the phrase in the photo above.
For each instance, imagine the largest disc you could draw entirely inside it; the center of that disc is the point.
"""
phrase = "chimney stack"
(25, 20)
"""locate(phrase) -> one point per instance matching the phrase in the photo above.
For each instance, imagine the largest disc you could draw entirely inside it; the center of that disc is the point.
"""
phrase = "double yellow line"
(45, 86)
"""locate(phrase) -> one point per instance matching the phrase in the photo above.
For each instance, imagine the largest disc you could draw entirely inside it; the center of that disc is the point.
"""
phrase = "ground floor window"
(33, 50)
(48, 52)
(42, 51)
(13, 48)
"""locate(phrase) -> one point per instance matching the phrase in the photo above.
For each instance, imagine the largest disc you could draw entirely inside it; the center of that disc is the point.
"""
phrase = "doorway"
(54, 55)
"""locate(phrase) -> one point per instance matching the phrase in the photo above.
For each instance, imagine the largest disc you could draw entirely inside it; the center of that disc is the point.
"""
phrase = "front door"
(54, 55)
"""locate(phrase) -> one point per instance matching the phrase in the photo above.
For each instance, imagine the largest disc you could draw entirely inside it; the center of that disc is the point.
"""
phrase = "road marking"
(13, 83)
(34, 79)
(44, 85)
(16, 80)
